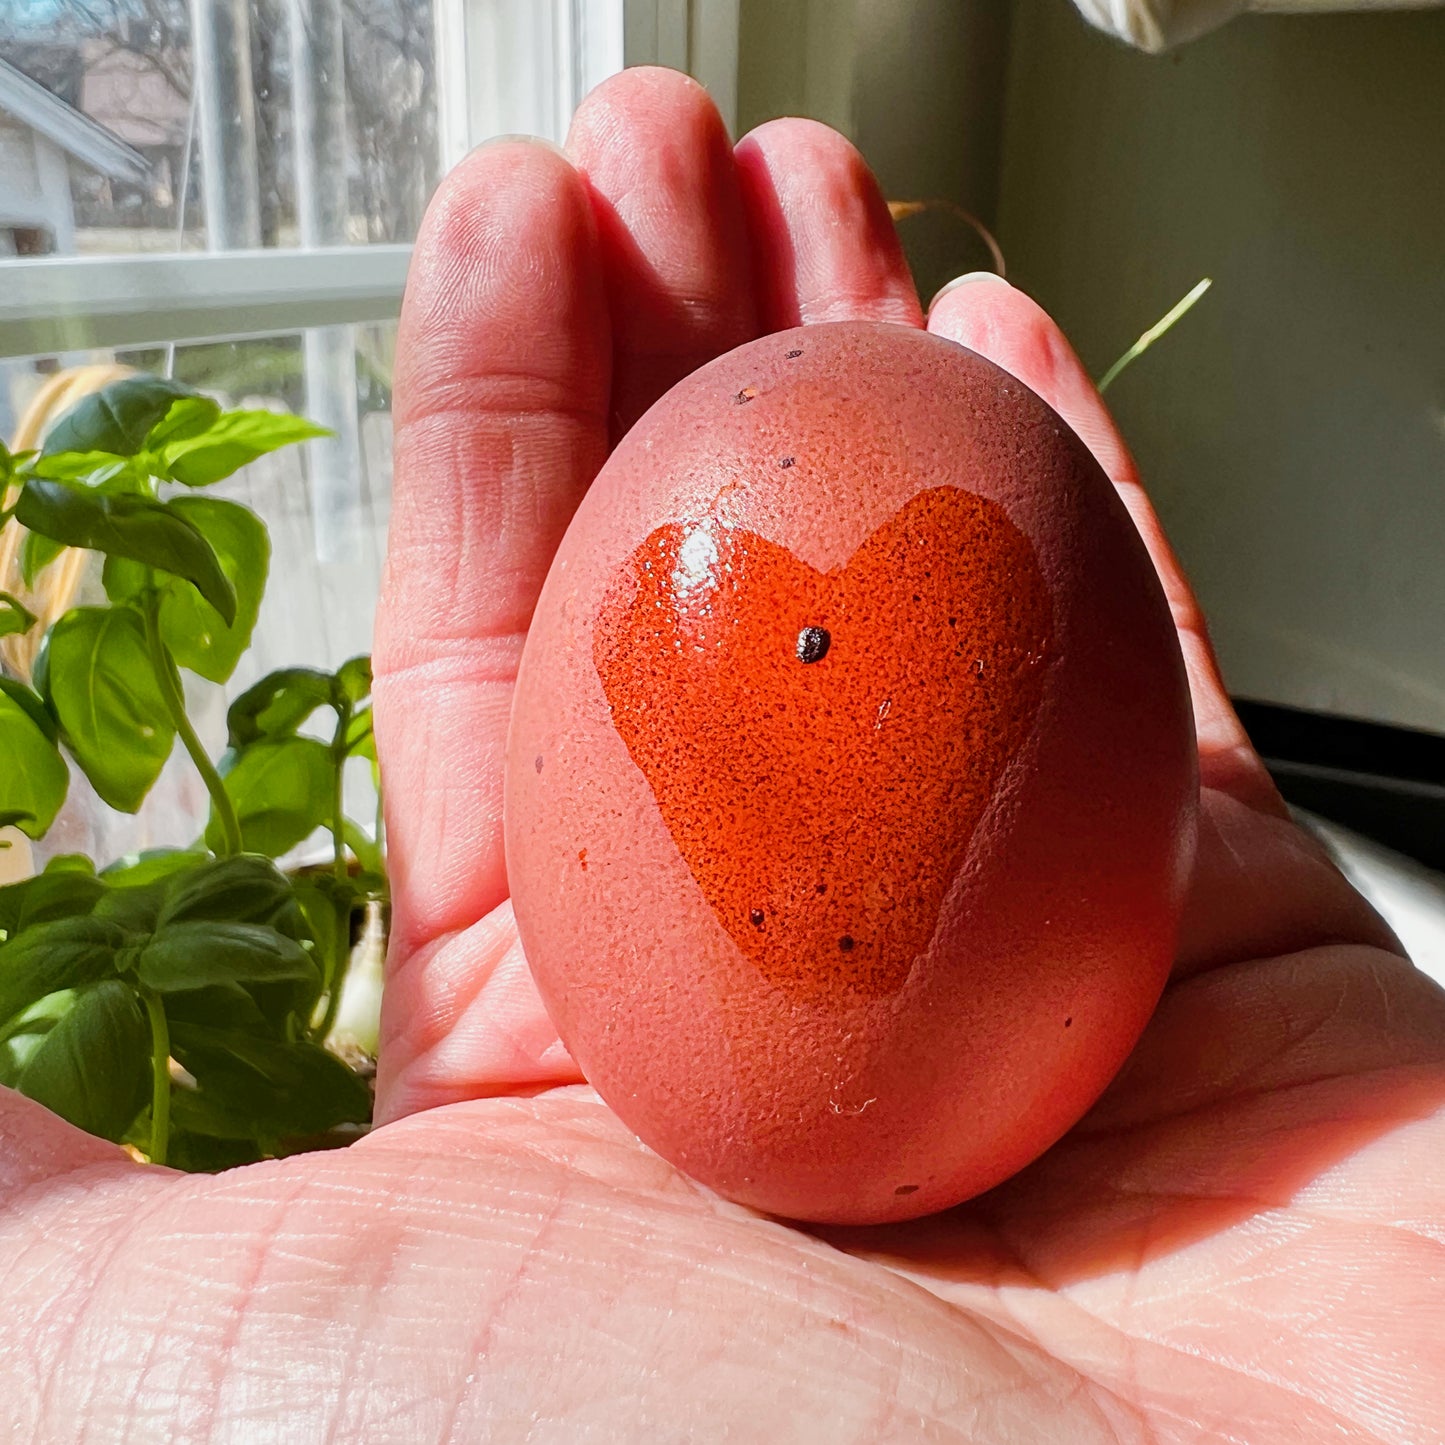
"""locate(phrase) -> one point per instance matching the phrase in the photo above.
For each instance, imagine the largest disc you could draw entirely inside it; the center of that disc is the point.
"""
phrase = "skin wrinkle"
(1271, 1093)
(1069, 1296)
(1266, 887)
(477, 1350)
(474, 662)
(374, 1283)
(1132, 1348)
(1106, 1117)
(1291, 1391)
(244, 1287)
(75, 1328)
(607, 1223)
(493, 544)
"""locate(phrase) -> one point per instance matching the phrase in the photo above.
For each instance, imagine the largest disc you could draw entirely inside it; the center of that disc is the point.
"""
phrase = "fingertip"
(824, 243)
(508, 233)
(991, 316)
(496, 175)
(640, 93)
(965, 280)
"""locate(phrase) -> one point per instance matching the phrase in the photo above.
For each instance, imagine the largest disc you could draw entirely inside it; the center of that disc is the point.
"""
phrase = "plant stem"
(1175, 313)
(336, 965)
(160, 1077)
(338, 775)
(164, 667)
(338, 977)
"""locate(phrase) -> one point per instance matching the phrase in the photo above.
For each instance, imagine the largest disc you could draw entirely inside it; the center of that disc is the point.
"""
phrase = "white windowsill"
(67, 303)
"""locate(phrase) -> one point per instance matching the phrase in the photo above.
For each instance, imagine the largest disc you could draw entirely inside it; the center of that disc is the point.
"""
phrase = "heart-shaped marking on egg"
(823, 745)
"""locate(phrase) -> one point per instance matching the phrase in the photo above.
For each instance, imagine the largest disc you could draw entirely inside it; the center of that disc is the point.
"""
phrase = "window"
(177, 176)
(226, 191)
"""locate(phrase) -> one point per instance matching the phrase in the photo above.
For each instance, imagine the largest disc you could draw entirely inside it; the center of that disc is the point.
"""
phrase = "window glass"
(172, 125)
(325, 505)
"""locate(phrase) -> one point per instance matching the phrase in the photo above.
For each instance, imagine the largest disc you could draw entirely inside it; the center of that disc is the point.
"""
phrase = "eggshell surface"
(851, 781)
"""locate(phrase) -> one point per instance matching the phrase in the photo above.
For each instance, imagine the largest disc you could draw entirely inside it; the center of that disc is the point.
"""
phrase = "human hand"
(1241, 1241)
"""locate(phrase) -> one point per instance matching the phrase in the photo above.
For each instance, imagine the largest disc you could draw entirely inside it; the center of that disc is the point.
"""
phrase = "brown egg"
(851, 784)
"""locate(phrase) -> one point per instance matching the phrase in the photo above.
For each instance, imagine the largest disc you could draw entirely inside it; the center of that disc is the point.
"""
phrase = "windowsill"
(71, 303)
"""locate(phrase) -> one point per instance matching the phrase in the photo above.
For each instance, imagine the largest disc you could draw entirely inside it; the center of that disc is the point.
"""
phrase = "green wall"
(918, 85)
(1292, 430)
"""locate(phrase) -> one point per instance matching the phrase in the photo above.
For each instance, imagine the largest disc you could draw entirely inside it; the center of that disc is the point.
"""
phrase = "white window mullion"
(508, 67)
(698, 36)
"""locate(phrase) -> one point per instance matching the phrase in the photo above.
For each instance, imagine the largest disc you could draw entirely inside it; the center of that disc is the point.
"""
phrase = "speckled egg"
(851, 783)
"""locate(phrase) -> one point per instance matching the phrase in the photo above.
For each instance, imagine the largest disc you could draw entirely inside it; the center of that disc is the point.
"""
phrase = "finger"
(500, 411)
(674, 244)
(463, 1020)
(824, 247)
(36, 1145)
(996, 320)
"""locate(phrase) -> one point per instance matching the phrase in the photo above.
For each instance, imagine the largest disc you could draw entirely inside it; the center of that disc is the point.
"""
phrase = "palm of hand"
(1241, 1241)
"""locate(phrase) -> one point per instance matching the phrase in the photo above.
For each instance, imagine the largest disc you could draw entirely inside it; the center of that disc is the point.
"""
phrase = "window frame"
(66, 304)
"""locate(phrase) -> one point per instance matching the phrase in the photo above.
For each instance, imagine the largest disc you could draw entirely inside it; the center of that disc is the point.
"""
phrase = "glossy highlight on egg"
(851, 781)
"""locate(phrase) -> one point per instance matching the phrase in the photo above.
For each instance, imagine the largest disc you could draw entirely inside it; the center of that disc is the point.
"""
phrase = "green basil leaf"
(36, 554)
(47, 957)
(94, 469)
(99, 684)
(217, 1005)
(123, 579)
(135, 909)
(188, 416)
(254, 1087)
(318, 905)
(198, 1154)
(151, 865)
(122, 525)
(235, 438)
(31, 703)
(13, 819)
(277, 705)
(193, 955)
(93, 1067)
(117, 418)
(15, 616)
(353, 678)
(70, 863)
(195, 631)
(281, 792)
(243, 889)
(360, 737)
(46, 898)
(27, 1029)
(33, 775)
